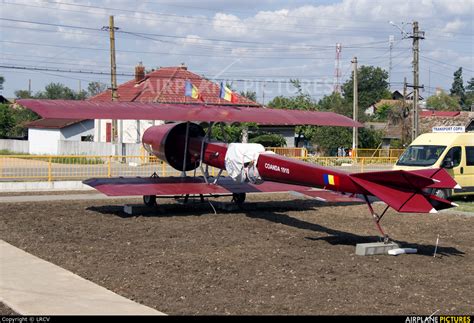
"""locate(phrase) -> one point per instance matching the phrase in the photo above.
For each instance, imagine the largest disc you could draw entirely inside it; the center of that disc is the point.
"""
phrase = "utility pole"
(337, 71)
(417, 35)
(113, 73)
(390, 44)
(29, 87)
(403, 108)
(355, 108)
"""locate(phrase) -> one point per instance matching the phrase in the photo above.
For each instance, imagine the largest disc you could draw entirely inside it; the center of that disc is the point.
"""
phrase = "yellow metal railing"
(390, 153)
(289, 152)
(50, 168)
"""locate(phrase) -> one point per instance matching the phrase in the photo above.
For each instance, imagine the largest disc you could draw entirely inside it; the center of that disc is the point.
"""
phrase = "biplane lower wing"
(330, 196)
(169, 186)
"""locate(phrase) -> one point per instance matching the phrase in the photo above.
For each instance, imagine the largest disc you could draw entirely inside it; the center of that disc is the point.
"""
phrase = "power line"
(444, 63)
(161, 14)
(142, 34)
(167, 53)
(298, 48)
(33, 68)
(202, 18)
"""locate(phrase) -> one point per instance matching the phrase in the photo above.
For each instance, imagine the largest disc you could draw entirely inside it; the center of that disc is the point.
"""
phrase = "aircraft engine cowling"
(167, 142)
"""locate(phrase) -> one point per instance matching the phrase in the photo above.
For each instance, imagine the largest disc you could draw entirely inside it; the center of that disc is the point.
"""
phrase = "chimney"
(139, 73)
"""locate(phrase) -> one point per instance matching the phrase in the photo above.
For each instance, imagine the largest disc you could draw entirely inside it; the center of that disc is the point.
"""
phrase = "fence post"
(109, 166)
(362, 165)
(163, 169)
(50, 173)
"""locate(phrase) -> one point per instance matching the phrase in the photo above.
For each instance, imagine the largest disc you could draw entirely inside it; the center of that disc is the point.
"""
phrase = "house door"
(108, 132)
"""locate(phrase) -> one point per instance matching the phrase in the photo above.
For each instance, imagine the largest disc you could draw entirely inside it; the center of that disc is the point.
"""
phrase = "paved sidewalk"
(64, 197)
(32, 286)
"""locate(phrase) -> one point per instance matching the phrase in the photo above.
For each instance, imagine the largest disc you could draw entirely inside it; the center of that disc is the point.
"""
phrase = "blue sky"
(255, 45)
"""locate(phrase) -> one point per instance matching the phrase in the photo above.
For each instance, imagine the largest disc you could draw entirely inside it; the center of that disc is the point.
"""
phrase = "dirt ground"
(279, 255)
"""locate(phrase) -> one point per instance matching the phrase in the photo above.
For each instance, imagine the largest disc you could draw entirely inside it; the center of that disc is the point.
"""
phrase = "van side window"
(454, 154)
(470, 156)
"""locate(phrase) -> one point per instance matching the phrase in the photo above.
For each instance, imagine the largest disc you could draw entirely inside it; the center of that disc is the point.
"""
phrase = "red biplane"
(186, 146)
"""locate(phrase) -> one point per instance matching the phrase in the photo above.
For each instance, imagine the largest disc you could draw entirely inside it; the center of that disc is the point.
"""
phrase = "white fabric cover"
(237, 156)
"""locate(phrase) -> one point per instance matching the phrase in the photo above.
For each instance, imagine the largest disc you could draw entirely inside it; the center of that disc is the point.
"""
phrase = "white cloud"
(453, 26)
(306, 33)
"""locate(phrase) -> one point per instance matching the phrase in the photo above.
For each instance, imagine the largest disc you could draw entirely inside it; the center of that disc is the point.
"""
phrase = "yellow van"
(452, 151)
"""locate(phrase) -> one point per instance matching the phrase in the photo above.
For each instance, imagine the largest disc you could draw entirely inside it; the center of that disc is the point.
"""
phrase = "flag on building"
(227, 94)
(192, 91)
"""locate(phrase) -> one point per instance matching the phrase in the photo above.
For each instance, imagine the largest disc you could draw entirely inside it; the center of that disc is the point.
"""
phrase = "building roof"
(52, 123)
(433, 113)
(4, 99)
(167, 85)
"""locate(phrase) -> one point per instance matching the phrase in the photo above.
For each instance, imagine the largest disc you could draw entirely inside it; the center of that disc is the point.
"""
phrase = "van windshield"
(425, 155)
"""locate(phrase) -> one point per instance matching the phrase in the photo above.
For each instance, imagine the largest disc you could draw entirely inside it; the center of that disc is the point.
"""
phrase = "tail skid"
(406, 192)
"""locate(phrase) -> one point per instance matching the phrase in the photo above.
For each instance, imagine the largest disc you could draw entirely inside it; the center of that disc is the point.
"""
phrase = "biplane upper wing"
(166, 186)
(69, 109)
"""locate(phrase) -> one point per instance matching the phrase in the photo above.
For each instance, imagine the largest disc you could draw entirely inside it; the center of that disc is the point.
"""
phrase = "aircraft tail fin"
(407, 191)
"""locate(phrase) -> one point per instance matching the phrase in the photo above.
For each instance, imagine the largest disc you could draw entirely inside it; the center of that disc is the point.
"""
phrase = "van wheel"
(149, 200)
(441, 193)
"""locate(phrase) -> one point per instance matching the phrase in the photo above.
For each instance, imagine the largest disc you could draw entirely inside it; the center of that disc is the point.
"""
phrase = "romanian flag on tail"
(331, 180)
(192, 91)
(227, 94)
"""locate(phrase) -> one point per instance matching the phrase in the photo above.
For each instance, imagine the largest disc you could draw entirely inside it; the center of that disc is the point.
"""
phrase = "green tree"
(382, 112)
(327, 139)
(372, 85)
(470, 93)
(53, 91)
(2, 80)
(95, 88)
(6, 120)
(470, 85)
(443, 101)
(251, 95)
(457, 89)
(56, 91)
(21, 116)
(23, 94)
(231, 132)
(335, 103)
(268, 139)
(301, 101)
(369, 138)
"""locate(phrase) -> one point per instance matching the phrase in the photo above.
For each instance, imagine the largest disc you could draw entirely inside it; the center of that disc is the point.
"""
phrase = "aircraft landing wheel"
(238, 198)
(149, 200)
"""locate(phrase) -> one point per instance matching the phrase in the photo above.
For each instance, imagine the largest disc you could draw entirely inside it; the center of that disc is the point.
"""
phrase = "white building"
(45, 135)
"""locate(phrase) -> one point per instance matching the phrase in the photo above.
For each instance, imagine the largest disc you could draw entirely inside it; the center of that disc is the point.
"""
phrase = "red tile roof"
(52, 123)
(166, 85)
(425, 114)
